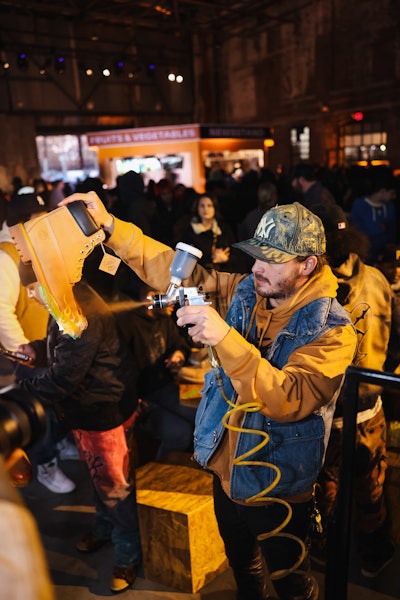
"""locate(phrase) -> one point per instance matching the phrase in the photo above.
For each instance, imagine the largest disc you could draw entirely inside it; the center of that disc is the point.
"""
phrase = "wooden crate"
(189, 394)
(181, 544)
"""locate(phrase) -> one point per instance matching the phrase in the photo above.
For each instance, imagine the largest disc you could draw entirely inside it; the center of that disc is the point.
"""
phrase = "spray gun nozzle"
(181, 268)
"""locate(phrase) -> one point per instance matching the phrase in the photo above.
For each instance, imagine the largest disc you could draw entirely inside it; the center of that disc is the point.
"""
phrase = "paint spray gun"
(181, 268)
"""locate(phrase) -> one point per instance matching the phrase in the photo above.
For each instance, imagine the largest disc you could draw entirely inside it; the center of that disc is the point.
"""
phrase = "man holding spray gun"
(280, 345)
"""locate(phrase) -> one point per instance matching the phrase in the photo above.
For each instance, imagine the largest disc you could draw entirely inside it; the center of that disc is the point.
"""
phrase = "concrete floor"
(63, 518)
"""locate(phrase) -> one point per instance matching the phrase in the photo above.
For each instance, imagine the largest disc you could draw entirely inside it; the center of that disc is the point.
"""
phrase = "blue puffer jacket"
(296, 448)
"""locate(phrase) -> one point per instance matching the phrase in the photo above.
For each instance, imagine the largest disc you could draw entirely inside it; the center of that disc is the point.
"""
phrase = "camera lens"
(22, 419)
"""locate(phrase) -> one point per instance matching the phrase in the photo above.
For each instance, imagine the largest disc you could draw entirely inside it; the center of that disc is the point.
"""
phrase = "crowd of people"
(301, 272)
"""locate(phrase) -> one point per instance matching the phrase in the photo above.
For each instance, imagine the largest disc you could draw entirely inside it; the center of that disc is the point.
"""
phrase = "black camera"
(22, 419)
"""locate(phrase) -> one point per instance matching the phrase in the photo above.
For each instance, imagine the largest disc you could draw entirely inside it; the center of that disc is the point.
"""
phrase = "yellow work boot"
(56, 244)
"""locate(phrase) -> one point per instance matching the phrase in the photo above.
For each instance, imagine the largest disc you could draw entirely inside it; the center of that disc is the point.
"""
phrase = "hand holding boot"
(95, 207)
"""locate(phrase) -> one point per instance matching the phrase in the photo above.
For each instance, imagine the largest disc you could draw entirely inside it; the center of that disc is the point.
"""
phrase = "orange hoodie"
(312, 377)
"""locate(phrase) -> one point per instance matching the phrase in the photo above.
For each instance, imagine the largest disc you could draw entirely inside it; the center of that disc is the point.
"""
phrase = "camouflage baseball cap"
(285, 232)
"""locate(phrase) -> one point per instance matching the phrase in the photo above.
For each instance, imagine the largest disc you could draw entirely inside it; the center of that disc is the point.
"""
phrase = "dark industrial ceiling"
(176, 17)
(95, 36)
(143, 30)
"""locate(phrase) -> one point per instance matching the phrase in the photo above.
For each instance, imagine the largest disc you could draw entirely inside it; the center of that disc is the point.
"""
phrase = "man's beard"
(282, 289)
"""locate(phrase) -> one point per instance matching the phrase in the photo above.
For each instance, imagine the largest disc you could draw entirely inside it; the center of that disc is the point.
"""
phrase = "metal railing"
(339, 532)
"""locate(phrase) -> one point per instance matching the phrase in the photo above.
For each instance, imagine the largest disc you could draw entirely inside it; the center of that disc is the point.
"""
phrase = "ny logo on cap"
(268, 227)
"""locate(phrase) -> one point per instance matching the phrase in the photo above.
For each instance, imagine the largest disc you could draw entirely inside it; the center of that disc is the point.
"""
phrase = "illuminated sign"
(242, 132)
(145, 135)
(157, 135)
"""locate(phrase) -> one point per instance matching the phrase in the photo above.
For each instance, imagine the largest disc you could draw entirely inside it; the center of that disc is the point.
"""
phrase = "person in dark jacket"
(160, 351)
(132, 203)
(211, 235)
(90, 383)
(375, 213)
(311, 191)
(168, 211)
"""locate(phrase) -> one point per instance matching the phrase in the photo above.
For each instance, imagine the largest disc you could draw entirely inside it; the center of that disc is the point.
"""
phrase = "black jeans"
(240, 525)
(171, 422)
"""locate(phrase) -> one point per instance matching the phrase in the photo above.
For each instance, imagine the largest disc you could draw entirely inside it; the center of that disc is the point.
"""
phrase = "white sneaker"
(67, 450)
(51, 476)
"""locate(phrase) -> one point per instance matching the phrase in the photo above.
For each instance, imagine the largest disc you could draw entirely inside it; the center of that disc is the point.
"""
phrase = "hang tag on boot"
(109, 263)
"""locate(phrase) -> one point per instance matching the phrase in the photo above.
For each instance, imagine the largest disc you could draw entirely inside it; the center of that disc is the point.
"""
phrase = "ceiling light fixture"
(162, 9)
(22, 60)
(43, 68)
(175, 78)
(60, 65)
(119, 67)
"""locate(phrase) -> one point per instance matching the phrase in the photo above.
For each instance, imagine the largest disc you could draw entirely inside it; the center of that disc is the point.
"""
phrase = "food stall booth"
(188, 152)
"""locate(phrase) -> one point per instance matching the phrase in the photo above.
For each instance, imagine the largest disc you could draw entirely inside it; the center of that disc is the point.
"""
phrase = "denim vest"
(296, 448)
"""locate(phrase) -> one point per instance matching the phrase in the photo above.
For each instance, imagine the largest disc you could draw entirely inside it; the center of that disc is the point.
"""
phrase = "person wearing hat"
(280, 344)
(366, 295)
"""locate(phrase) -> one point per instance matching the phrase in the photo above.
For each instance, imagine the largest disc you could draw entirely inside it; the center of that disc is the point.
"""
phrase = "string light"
(60, 65)
(22, 60)
(175, 78)
(119, 67)
(43, 68)
(162, 9)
